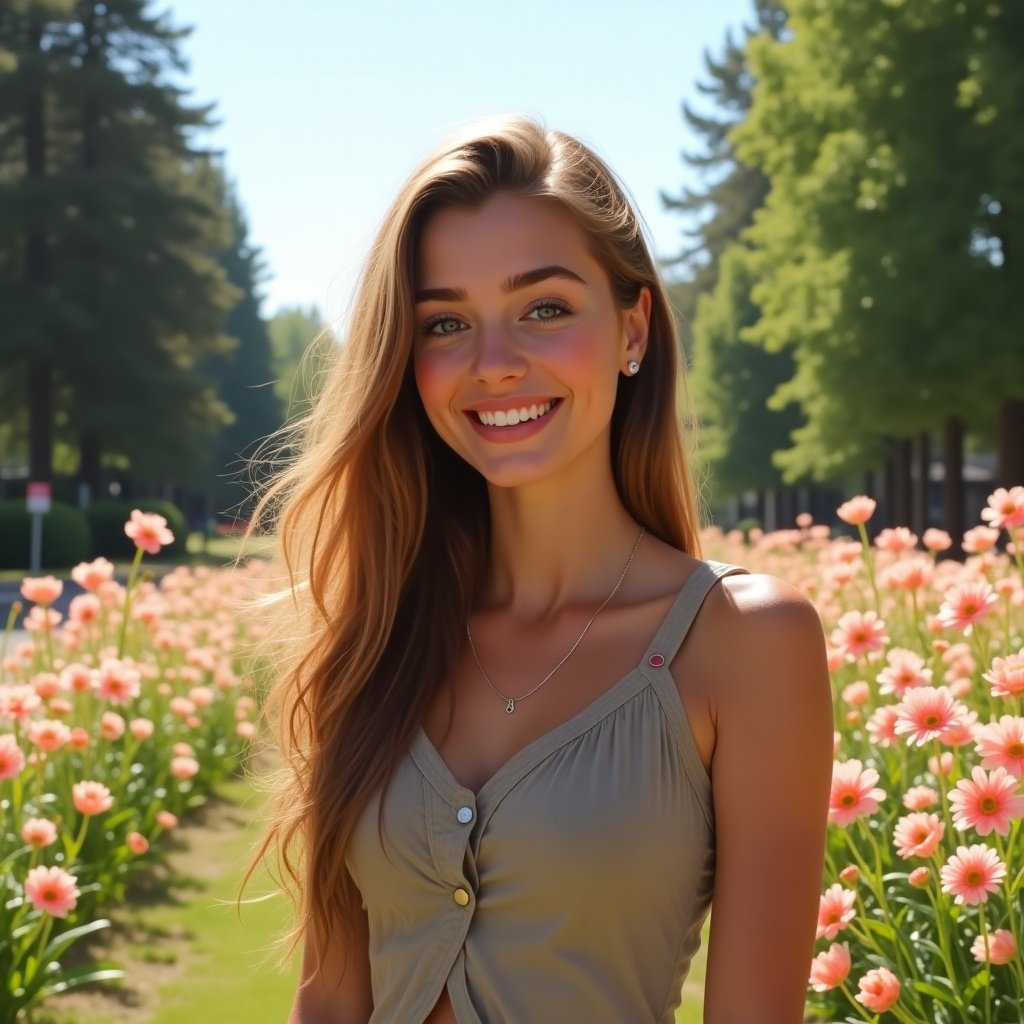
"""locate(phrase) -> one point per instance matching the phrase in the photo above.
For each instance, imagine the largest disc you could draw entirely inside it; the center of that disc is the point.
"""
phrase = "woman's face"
(519, 344)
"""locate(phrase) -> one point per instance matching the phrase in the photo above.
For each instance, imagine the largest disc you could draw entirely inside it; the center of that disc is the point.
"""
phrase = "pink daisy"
(48, 734)
(149, 531)
(41, 589)
(1006, 675)
(853, 792)
(972, 873)
(858, 509)
(52, 890)
(12, 760)
(835, 910)
(904, 670)
(965, 604)
(881, 725)
(859, 632)
(926, 712)
(919, 877)
(980, 539)
(117, 683)
(879, 989)
(936, 540)
(919, 798)
(90, 575)
(1002, 947)
(1001, 745)
(39, 832)
(830, 968)
(91, 797)
(918, 835)
(986, 801)
(1005, 508)
(896, 540)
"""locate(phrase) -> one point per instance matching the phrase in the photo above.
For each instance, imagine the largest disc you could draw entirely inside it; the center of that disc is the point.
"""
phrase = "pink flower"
(12, 760)
(966, 604)
(46, 685)
(918, 835)
(111, 725)
(835, 910)
(919, 877)
(857, 510)
(853, 792)
(904, 669)
(141, 728)
(117, 682)
(830, 968)
(896, 540)
(980, 540)
(76, 678)
(137, 843)
(1002, 947)
(1001, 745)
(881, 725)
(166, 820)
(879, 989)
(245, 730)
(1005, 508)
(41, 589)
(52, 890)
(972, 873)
(859, 632)
(79, 738)
(986, 802)
(48, 735)
(941, 765)
(857, 693)
(148, 530)
(91, 575)
(1006, 675)
(39, 832)
(91, 797)
(936, 540)
(919, 798)
(184, 767)
(850, 874)
(926, 712)
(85, 609)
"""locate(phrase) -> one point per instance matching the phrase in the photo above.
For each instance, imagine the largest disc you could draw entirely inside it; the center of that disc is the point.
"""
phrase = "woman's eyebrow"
(514, 284)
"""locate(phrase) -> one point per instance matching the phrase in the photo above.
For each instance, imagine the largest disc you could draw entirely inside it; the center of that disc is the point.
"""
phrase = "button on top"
(465, 815)
(461, 897)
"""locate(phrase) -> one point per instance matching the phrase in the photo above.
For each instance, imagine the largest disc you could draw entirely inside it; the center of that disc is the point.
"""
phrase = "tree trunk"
(1011, 444)
(953, 483)
(89, 462)
(37, 273)
(919, 504)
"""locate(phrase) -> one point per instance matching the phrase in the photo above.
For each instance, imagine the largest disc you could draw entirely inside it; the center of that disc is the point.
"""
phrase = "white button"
(465, 815)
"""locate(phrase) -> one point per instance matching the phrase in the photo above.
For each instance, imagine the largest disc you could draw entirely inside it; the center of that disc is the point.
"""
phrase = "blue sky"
(326, 105)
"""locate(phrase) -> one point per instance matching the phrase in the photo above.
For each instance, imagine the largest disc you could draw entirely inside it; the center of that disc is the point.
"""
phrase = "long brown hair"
(382, 531)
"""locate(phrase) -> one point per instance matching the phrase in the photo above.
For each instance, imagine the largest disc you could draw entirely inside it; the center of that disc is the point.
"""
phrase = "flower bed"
(113, 724)
(920, 918)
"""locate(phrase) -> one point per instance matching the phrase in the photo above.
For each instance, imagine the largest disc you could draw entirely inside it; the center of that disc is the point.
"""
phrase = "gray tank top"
(572, 886)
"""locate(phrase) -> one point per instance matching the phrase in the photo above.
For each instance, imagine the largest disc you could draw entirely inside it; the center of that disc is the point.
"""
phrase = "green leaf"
(928, 989)
(61, 942)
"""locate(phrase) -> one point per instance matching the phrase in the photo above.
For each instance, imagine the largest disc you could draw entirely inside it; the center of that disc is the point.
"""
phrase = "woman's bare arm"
(342, 994)
(771, 774)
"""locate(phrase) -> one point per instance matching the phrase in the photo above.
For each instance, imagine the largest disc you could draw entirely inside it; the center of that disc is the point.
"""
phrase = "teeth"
(510, 417)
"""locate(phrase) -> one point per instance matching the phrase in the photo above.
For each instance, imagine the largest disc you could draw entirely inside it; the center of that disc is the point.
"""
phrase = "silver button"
(465, 815)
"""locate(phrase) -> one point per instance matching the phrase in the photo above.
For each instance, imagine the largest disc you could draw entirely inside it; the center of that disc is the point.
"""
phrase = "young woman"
(529, 735)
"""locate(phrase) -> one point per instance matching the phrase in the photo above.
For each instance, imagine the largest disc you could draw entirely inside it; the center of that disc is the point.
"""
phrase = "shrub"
(107, 519)
(66, 539)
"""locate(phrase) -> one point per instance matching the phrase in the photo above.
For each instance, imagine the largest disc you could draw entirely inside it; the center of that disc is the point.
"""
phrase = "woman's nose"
(497, 355)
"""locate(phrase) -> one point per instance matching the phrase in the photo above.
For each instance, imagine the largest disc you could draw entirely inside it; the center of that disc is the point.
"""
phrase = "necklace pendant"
(510, 706)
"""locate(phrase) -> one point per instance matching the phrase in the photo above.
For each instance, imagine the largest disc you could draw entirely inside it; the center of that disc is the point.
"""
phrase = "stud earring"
(633, 366)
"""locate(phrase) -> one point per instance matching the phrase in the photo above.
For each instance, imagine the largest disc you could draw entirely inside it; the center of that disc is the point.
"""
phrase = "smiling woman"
(519, 712)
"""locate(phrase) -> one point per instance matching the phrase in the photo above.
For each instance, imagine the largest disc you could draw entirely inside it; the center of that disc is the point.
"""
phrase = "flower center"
(848, 799)
(988, 805)
(973, 877)
(1015, 749)
(931, 720)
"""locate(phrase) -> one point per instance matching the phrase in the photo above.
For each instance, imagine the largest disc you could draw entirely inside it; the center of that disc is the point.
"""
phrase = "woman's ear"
(637, 326)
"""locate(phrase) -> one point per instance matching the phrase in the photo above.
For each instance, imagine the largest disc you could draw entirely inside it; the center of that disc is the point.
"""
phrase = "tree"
(884, 247)
(118, 296)
(292, 333)
(733, 190)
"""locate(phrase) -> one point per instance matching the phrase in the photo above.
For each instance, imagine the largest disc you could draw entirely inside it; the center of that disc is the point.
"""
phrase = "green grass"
(189, 958)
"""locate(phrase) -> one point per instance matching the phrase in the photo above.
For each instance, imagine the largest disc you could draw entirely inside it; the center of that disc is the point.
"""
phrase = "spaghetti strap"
(676, 623)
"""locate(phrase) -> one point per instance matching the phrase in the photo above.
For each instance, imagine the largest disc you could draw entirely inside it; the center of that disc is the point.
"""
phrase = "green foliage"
(107, 521)
(883, 250)
(65, 540)
(292, 334)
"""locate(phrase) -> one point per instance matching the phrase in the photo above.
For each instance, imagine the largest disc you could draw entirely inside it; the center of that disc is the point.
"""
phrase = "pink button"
(656, 660)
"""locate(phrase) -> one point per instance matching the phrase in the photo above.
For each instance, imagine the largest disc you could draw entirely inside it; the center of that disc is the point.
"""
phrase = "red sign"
(37, 497)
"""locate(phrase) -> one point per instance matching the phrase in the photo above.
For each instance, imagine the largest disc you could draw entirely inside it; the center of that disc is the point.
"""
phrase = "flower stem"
(128, 600)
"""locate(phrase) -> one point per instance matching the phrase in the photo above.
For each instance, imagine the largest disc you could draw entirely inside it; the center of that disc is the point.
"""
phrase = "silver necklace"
(510, 704)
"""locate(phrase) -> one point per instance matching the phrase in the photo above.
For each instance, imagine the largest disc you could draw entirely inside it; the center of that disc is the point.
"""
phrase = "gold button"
(461, 897)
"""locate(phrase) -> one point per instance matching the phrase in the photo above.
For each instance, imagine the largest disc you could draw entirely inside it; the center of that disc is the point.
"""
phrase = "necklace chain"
(510, 704)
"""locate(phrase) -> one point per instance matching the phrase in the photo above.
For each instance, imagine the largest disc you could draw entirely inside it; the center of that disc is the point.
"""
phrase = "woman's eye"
(447, 325)
(549, 311)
